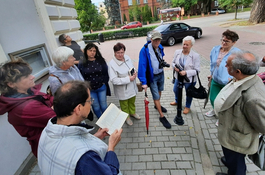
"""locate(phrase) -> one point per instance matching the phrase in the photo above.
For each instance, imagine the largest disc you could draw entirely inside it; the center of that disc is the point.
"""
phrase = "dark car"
(175, 31)
(134, 24)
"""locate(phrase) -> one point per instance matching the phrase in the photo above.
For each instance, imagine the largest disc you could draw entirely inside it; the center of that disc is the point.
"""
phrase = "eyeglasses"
(66, 37)
(90, 101)
(225, 41)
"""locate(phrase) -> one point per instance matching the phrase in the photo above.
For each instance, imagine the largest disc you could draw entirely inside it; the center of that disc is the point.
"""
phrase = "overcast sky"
(96, 1)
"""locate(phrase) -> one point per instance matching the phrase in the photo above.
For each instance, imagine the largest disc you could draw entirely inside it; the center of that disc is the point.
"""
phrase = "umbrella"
(146, 112)
(209, 88)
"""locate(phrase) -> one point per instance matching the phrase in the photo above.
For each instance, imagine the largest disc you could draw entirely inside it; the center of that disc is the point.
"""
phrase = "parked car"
(214, 10)
(134, 24)
(175, 31)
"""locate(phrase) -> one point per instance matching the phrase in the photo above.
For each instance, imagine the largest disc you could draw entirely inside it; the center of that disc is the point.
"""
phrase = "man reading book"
(66, 146)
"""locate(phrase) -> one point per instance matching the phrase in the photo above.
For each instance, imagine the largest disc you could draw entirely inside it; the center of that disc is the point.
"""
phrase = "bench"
(92, 41)
(124, 34)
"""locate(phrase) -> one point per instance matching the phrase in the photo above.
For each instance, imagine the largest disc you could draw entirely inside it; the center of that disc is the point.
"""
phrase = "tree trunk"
(257, 14)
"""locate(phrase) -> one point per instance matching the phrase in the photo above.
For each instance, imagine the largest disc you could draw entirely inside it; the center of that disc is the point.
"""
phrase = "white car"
(217, 9)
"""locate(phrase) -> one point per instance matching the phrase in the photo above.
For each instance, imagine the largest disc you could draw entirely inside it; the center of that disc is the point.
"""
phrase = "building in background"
(30, 29)
(102, 7)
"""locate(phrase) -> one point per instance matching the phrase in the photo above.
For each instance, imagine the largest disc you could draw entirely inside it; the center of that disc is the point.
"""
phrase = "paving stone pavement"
(190, 149)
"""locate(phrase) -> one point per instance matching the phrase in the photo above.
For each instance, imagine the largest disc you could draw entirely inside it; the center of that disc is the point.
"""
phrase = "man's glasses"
(90, 101)
(225, 41)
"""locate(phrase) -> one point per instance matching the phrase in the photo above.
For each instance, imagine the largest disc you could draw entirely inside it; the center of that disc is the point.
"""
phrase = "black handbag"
(194, 92)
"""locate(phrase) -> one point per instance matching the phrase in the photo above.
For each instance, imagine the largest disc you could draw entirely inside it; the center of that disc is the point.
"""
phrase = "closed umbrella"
(209, 88)
(146, 112)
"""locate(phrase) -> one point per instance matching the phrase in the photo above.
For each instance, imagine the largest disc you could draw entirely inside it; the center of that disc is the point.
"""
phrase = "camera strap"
(157, 55)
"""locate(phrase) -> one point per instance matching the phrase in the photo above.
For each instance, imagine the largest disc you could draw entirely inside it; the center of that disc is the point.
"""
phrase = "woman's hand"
(209, 78)
(114, 139)
(182, 73)
(132, 78)
(144, 87)
(101, 133)
(176, 69)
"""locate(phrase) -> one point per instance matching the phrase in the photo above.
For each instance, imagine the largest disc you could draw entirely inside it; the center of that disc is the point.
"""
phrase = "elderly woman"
(123, 80)
(28, 109)
(219, 76)
(189, 61)
(95, 70)
(64, 70)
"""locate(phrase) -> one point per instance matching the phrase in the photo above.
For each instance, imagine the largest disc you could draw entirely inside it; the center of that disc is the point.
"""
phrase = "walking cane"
(178, 119)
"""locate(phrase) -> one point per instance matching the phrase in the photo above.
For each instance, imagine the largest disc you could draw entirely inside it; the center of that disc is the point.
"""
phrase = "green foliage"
(131, 14)
(155, 14)
(136, 11)
(146, 15)
(186, 3)
(113, 11)
(124, 17)
(87, 13)
(234, 4)
(138, 32)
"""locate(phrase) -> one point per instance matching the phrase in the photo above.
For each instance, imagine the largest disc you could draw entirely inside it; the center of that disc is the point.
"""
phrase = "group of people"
(62, 142)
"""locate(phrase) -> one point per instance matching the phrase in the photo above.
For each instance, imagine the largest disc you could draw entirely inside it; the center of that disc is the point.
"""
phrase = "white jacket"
(119, 77)
(191, 65)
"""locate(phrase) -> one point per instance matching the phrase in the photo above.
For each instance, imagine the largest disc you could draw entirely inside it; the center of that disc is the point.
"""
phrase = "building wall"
(25, 24)
(125, 7)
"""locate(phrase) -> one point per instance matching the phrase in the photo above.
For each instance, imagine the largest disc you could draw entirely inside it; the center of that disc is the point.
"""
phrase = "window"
(137, 1)
(183, 26)
(129, 2)
(145, 1)
(215, 3)
(36, 57)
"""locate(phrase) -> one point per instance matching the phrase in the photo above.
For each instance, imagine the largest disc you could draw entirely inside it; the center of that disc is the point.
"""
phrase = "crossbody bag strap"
(198, 78)
(57, 78)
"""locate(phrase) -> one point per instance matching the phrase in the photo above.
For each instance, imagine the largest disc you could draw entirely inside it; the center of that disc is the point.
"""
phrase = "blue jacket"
(220, 74)
(145, 70)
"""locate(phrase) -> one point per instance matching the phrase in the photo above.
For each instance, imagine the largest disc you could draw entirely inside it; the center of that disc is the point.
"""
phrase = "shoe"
(210, 113)
(217, 123)
(165, 123)
(173, 103)
(162, 109)
(220, 173)
(129, 121)
(223, 160)
(136, 116)
(186, 110)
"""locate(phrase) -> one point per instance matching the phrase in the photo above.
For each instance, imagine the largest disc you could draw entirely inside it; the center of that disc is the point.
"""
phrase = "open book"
(113, 118)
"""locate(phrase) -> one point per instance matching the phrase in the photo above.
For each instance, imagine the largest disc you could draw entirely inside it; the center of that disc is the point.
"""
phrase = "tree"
(86, 12)
(124, 17)
(257, 14)
(136, 11)
(155, 13)
(113, 10)
(131, 14)
(234, 4)
(99, 21)
(184, 3)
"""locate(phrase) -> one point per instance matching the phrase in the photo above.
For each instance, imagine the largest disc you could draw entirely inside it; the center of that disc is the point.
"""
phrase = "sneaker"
(129, 121)
(165, 123)
(162, 109)
(136, 116)
(210, 113)
(217, 123)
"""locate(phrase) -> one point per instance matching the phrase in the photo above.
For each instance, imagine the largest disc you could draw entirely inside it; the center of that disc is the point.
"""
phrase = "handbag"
(194, 92)
(139, 86)
(259, 157)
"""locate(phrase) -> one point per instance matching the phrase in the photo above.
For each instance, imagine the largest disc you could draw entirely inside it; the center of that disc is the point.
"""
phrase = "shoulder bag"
(194, 92)
(259, 157)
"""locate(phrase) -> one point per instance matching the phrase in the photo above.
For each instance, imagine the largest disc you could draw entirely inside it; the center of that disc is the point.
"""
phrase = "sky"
(96, 1)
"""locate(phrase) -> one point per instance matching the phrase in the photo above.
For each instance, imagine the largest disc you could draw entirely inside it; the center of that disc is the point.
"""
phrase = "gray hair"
(189, 38)
(246, 66)
(61, 54)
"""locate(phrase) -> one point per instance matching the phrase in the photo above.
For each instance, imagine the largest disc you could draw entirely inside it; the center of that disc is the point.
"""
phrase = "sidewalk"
(191, 149)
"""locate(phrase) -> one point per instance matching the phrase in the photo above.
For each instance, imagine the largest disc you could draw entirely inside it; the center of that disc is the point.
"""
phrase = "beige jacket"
(242, 117)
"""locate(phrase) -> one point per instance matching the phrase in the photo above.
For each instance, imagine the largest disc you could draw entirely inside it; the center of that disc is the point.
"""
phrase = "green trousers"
(214, 91)
(128, 105)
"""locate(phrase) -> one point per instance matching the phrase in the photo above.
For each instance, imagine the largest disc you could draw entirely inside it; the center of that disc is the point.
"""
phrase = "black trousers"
(235, 162)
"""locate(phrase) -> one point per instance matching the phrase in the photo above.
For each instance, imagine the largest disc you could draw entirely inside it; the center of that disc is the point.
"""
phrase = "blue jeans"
(100, 100)
(176, 90)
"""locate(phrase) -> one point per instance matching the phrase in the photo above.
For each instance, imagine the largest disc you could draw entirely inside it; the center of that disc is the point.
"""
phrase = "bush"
(138, 32)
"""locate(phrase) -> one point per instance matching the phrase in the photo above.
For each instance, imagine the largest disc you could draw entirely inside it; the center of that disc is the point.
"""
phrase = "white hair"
(189, 38)
(61, 54)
